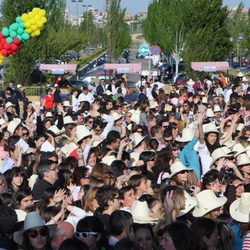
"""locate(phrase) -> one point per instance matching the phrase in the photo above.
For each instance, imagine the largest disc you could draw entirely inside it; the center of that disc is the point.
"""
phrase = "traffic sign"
(144, 50)
(155, 50)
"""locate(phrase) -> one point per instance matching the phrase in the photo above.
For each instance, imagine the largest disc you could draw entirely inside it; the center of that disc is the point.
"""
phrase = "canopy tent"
(126, 68)
(59, 69)
(210, 66)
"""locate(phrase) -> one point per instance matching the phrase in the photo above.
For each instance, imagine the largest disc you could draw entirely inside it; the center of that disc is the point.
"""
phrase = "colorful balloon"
(9, 40)
(5, 31)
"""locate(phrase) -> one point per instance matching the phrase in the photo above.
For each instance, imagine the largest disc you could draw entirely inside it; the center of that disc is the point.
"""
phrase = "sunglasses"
(167, 140)
(183, 172)
(19, 174)
(25, 133)
(85, 234)
(139, 131)
(42, 232)
(54, 162)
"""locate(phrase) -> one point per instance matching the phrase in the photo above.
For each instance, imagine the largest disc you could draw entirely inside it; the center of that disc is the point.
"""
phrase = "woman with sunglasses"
(35, 234)
(16, 179)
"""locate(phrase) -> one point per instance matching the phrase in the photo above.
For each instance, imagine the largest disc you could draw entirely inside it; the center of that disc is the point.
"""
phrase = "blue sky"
(134, 6)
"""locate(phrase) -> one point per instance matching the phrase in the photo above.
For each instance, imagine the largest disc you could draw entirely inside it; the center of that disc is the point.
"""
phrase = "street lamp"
(77, 1)
(87, 16)
(240, 37)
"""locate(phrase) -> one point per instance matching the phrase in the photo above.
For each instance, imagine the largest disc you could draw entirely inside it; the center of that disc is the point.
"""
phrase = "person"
(73, 244)
(48, 175)
(48, 100)
(64, 231)
(90, 230)
(204, 234)
(120, 224)
(35, 234)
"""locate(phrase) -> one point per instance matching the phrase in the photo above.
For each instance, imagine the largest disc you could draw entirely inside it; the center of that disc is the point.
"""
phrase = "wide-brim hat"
(55, 130)
(19, 86)
(240, 74)
(242, 160)
(240, 127)
(210, 113)
(32, 220)
(217, 108)
(240, 208)
(140, 213)
(238, 149)
(204, 100)
(190, 203)
(230, 144)
(202, 108)
(217, 154)
(68, 120)
(137, 139)
(81, 133)
(136, 114)
(207, 201)
(211, 128)
(244, 79)
(9, 104)
(2, 121)
(66, 104)
(49, 115)
(177, 167)
(117, 116)
(69, 148)
(187, 135)
(12, 126)
(108, 159)
(190, 82)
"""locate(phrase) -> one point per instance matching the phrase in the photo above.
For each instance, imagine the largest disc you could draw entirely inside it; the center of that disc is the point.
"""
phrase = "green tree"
(117, 30)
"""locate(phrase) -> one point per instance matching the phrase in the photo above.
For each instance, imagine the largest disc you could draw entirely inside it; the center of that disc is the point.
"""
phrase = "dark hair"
(117, 167)
(78, 174)
(12, 141)
(112, 137)
(119, 221)
(73, 244)
(180, 235)
(210, 177)
(8, 220)
(47, 155)
(103, 195)
(12, 173)
(7, 199)
(126, 244)
(124, 190)
(21, 194)
(49, 212)
(202, 227)
(43, 166)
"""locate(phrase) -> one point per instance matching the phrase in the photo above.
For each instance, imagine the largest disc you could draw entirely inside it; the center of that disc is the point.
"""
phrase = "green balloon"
(14, 26)
(20, 37)
(9, 40)
(25, 36)
(22, 25)
(20, 31)
(18, 19)
(13, 34)
(5, 31)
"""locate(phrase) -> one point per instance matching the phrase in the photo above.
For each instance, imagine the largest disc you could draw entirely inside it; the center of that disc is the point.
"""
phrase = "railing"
(35, 91)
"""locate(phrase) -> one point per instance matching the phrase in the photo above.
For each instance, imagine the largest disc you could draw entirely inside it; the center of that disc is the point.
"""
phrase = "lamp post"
(77, 1)
(240, 37)
(87, 16)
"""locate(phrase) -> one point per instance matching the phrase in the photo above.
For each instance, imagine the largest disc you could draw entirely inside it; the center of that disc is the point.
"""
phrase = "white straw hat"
(187, 135)
(55, 130)
(82, 132)
(12, 126)
(210, 128)
(240, 74)
(190, 203)
(229, 144)
(244, 79)
(108, 159)
(238, 149)
(33, 220)
(116, 116)
(240, 208)
(9, 104)
(240, 127)
(204, 100)
(207, 201)
(48, 115)
(68, 120)
(217, 108)
(190, 82)
(217, 154)
(140, 213)
(210, 113)
(137, 139)
(69, 148)
(242, 160)
(177, 167)
(66, 104)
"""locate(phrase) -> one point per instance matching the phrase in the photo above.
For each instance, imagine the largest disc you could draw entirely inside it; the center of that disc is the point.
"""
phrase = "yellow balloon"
(31, 15)
(27, 24)
(44, 20)
(29, 30)
(39, 24)
(42, 13)
(24, 17)
(36, 10)
(33, 27)
(32, 34)
(37, 32)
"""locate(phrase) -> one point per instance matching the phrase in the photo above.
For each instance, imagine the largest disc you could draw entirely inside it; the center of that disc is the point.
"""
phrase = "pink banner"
(210, 66)
(58, 67)
(129, 68)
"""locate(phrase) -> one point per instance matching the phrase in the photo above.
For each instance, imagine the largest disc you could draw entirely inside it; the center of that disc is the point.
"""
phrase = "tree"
(117, 30)
(192, 29)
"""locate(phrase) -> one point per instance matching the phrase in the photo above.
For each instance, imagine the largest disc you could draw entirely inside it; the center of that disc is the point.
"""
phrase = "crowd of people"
(109, 168)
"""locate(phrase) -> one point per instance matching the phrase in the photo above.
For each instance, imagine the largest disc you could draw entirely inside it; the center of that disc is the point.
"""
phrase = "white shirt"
(205, 157)
(75, 103)
(227, 95)
(89, 98)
